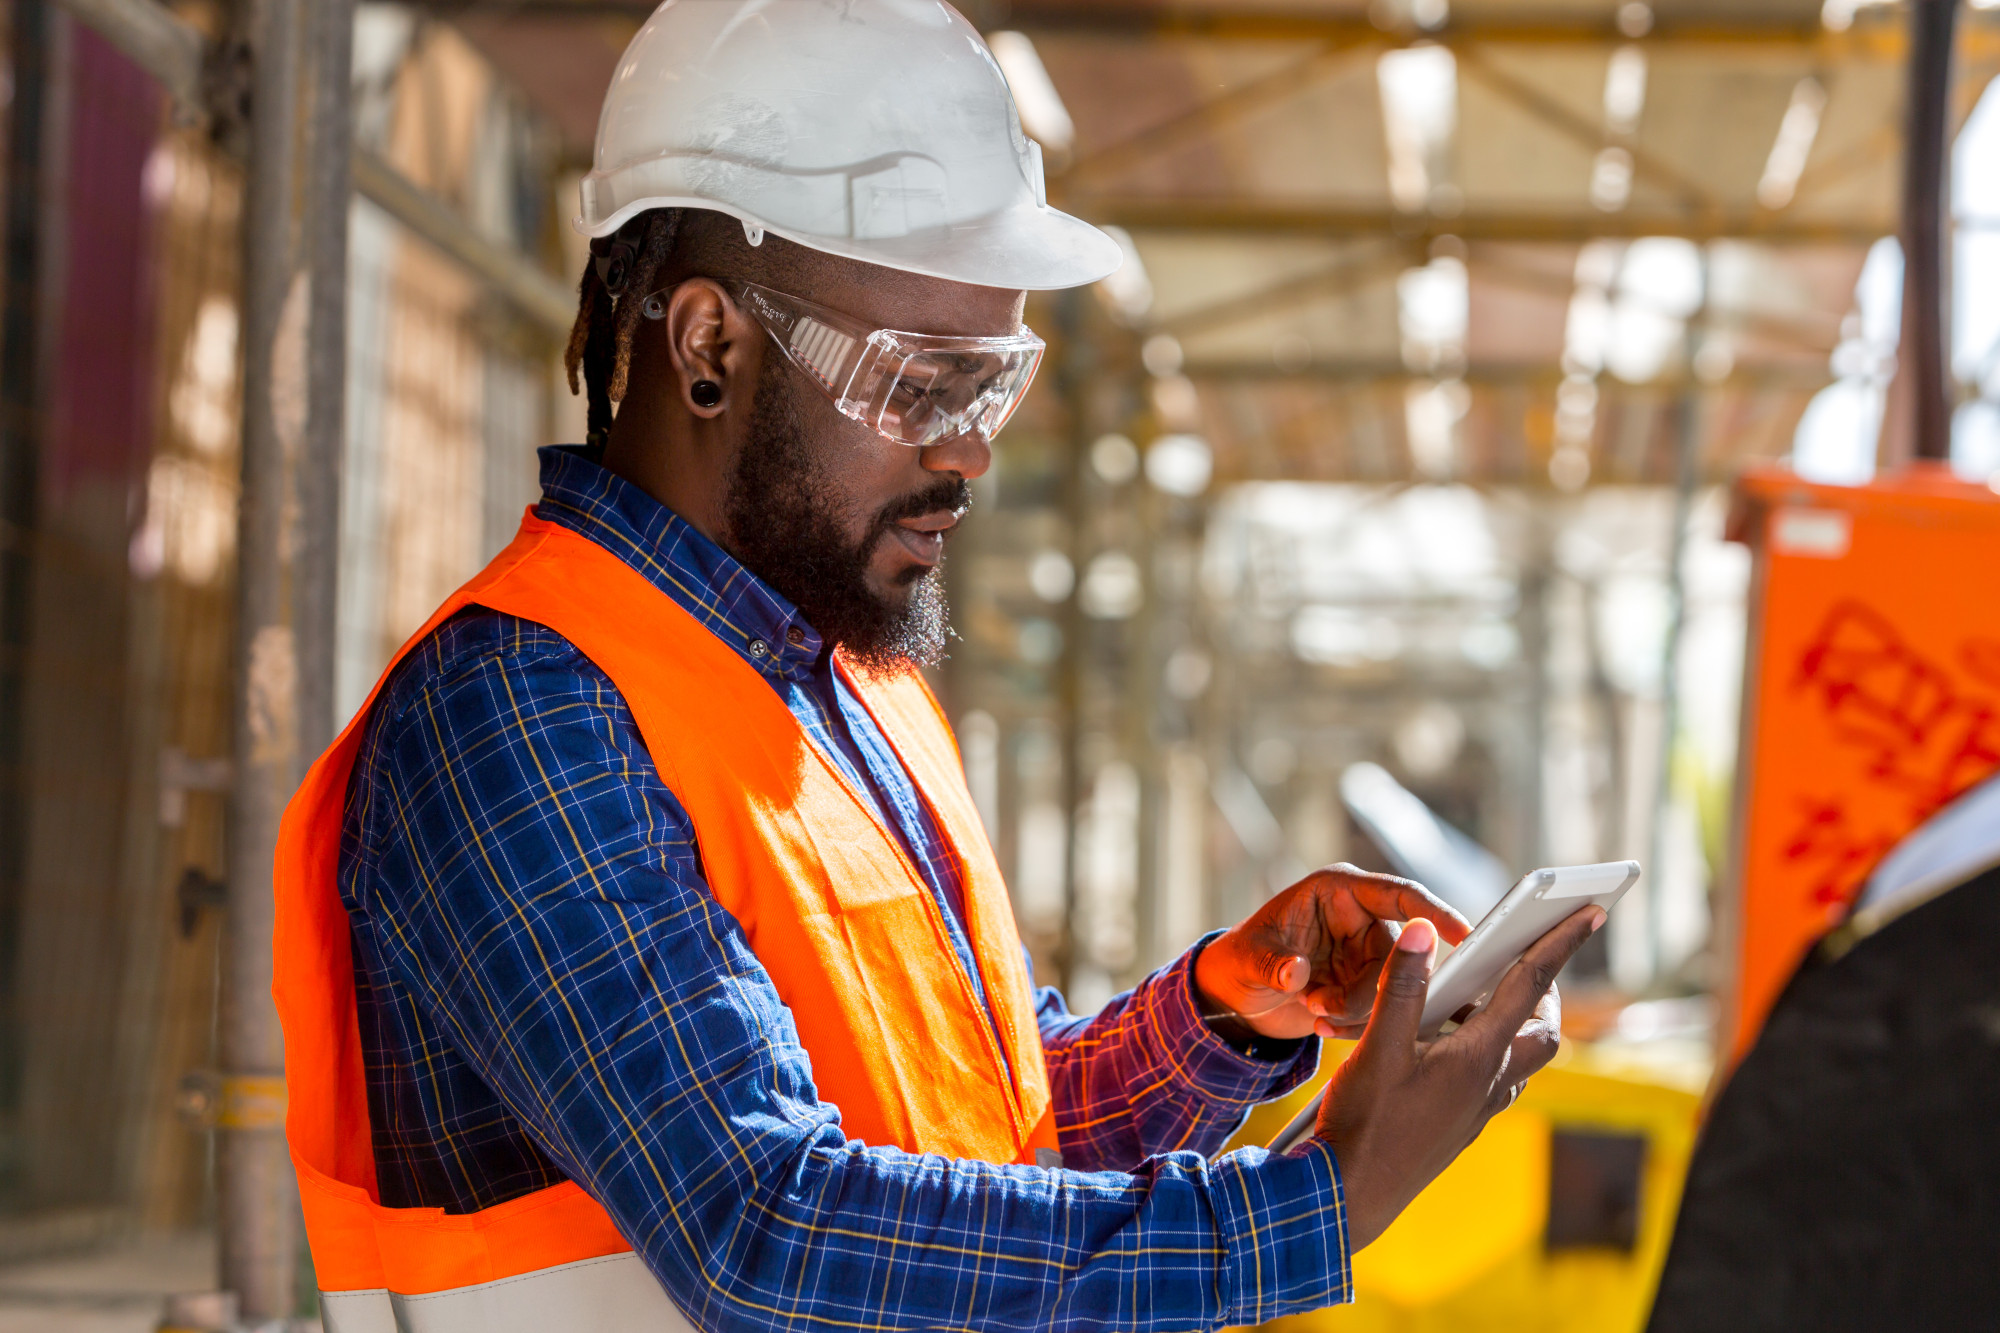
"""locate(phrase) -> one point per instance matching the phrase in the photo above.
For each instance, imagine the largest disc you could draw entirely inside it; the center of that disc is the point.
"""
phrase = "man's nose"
(968, 454)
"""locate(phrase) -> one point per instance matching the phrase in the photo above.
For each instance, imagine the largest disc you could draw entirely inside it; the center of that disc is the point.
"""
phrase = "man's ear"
(706, 343)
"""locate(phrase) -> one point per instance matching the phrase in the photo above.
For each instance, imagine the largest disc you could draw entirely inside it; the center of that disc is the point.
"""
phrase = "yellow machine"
(1477, 1251)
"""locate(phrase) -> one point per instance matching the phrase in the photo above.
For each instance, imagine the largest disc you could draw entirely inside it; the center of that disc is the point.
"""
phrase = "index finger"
(1390, 898)
(1522, 989)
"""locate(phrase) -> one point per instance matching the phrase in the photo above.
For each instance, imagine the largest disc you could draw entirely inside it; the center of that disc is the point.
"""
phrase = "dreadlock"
(600, 342)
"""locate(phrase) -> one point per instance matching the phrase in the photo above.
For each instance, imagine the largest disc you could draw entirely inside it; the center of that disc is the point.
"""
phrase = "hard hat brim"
(1029, 247)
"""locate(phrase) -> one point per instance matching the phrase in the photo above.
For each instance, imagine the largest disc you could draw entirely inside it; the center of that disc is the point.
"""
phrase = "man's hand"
(1307, 961)
(1399, 1110)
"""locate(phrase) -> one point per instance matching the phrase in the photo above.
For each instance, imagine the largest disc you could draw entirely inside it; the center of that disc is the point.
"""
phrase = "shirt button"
(759, 649)
(795, 636)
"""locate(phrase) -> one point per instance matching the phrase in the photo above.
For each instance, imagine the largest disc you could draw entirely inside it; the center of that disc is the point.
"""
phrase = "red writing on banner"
(1912, 727)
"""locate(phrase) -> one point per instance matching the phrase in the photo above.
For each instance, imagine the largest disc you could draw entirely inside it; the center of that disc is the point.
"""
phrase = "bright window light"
(1838, 15)
(1129, 289)
(1659, 286)
(1043, 114)
(1793, 145)
(1625, 90)
(1837, 434)
(1975, 298)
(1433, 305)
(1430, 15)
(1839, 431)
(1419, 87)
(1611, 178)
(1180, 464)
(1879, 293)
(1587, 331)
(1975, 442)
(1589, 325)
(1431, 413)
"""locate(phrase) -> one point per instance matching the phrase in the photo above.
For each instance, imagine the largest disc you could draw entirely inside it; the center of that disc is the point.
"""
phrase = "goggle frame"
(901, 385)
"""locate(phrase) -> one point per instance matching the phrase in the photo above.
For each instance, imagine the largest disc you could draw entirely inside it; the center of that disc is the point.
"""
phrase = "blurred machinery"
(1422, 846)
(1557, 1218)
(1872, 699)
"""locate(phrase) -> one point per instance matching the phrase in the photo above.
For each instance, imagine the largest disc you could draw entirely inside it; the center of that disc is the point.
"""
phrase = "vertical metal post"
(1073, 374)
(257, 1203)
(20, 487)
(1925, 181)
(1532, 623)
(1687, 452)
(327, 191)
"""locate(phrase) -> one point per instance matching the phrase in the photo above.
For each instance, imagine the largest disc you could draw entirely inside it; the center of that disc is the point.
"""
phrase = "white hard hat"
(881, 130)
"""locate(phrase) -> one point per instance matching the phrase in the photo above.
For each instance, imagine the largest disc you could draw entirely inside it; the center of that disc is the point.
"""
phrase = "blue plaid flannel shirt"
(548, 991)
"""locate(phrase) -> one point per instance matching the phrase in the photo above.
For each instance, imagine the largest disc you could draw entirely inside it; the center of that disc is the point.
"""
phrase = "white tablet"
(1541, 901)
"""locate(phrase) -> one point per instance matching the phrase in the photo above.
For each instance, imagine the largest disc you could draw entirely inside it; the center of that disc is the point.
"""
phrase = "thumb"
(1399, 997)
(1284, 972)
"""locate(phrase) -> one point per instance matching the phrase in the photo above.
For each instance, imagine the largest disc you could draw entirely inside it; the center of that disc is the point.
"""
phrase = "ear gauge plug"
(706, 393)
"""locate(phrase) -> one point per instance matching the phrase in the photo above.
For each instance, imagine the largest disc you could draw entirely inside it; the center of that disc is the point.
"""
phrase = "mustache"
(946, 493)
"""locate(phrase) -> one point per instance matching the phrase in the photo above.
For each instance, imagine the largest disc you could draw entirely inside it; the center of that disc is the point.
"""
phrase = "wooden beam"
(1872, 150)
(1645, 165)
(1338, 279)
(1218, 113)
(1360, 375)
(1817, 336)
(532, 289)
(1874, 38)
(155, 39)
(1240, 216)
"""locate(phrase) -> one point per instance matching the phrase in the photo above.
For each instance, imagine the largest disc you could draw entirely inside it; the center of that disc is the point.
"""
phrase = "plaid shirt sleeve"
(1145, 1075)
(527, 893)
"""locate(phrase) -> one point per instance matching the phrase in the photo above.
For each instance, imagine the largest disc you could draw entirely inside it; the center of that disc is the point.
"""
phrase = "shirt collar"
(703, 579)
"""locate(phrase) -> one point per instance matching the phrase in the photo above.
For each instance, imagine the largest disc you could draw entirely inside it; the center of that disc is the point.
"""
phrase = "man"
(642, 960)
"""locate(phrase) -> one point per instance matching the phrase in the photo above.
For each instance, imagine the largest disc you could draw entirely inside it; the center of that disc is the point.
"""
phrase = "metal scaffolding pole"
(1926, 178)
(257, 1193)
(1687, 461)
(1074, 368)
(21, 255)
(328, 189)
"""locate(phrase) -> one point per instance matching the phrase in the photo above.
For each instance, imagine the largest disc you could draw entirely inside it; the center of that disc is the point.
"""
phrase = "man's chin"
(910, 624)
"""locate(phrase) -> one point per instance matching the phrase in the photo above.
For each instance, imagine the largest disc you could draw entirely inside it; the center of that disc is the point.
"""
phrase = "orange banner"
(1871, 698)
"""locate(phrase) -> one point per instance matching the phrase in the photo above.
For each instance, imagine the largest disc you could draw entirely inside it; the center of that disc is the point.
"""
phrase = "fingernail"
(1597, 921)
(1417, 937)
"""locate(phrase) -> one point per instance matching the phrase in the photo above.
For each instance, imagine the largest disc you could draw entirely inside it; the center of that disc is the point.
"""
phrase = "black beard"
(782, 518)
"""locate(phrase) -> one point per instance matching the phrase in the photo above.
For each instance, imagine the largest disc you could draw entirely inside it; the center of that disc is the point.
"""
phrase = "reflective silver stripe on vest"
(614, 1294)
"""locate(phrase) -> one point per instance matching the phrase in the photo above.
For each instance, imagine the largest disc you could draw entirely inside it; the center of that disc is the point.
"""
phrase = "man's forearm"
(1146, 1075)
(837, 1234)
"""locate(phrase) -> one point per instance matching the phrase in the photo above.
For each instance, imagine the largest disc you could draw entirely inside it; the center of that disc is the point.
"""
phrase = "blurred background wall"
(118, 732)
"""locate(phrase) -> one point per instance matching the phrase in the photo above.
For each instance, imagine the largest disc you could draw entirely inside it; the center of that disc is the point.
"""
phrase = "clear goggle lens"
(912, 388)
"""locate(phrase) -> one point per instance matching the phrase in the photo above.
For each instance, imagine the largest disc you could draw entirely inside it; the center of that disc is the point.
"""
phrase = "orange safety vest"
(839, 917)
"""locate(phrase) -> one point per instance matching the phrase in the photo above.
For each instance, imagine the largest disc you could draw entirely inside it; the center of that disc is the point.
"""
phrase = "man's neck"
(693, 486)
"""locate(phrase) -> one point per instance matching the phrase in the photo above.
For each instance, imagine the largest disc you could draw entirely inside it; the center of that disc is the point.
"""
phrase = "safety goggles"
(912, 388)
